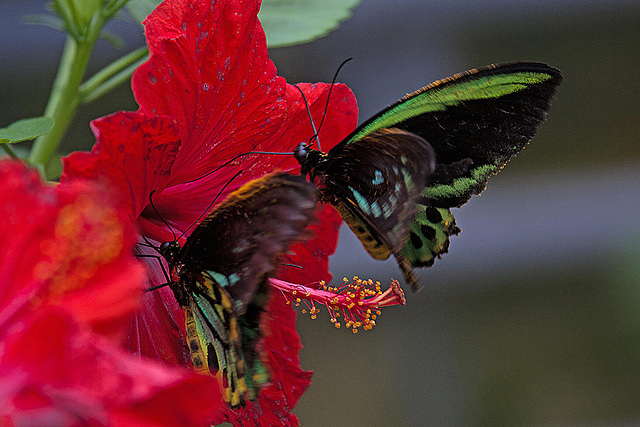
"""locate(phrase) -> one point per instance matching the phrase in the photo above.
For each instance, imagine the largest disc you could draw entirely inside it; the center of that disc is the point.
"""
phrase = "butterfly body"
(220, 277)
(395, 178)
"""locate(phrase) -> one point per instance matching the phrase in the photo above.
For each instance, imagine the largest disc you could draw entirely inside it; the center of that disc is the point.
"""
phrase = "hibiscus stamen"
(357, 301)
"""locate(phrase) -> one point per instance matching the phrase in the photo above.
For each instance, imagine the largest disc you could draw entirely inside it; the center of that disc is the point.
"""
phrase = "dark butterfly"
(220, 277)
(396, 176)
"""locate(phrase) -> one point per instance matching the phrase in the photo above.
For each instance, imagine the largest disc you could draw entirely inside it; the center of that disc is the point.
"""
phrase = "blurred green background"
(533, 317)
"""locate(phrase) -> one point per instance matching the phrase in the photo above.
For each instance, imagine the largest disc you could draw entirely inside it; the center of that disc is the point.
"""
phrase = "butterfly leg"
(164, 271)
(408, 272)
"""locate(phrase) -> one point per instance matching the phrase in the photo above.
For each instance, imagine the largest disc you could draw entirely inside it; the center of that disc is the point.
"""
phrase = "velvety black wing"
(239, 244)
(458, 115)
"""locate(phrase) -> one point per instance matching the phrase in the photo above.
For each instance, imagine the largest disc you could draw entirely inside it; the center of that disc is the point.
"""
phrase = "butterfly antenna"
(326, 106)
(160, 216)
(211, 204)
(293, 265)
(313, 125)
(236, 157)
(277, 153)
(153, 288)
(225, 164)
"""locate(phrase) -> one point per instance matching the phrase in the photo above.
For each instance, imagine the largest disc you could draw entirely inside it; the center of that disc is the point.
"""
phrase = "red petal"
(158, 331)
(135, 153)
(83, 378)
(313, 255)
(209, 70)
(70, 246)
(288, 381)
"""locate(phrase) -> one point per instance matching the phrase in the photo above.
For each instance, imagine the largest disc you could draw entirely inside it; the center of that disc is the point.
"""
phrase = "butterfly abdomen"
(374, 246)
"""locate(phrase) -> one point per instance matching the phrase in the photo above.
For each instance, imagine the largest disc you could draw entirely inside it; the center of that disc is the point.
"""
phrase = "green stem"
(112, 83)
(9, 151)
(112, 75)
(64, 98)
(112, 8)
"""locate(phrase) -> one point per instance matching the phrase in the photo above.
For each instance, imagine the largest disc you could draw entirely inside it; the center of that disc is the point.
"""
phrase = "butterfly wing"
(475, 122)
(226, 263)
(490, 115)
(214, 338)
(375, 183)
(240, 242)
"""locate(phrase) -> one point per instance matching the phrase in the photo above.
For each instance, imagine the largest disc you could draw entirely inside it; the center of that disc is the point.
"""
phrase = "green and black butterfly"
(396, 176)
(220, 277)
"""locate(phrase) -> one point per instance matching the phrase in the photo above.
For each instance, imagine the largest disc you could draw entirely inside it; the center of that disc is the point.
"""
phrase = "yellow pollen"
(87, 235)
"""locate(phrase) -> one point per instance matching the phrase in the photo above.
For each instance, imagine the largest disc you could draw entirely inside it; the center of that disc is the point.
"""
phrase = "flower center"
(87, 235)
(357, 301)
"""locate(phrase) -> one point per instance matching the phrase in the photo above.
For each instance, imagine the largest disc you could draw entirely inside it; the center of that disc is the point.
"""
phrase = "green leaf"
(112, 38)
(291, 22)
(139, 9)
(286, 22)
(25, 129)
(50, 21)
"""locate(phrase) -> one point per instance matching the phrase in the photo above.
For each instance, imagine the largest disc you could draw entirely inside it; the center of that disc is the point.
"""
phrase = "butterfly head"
(170, 250)
(308, 158)
(301, 153)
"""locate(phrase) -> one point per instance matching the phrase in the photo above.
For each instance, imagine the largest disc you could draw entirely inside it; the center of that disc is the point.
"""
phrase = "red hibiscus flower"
(210, 85)
(68, 286)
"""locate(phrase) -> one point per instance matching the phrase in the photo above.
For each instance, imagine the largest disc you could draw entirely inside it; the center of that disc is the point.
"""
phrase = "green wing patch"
(461, 187)
(490, 82)
(429, 238)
